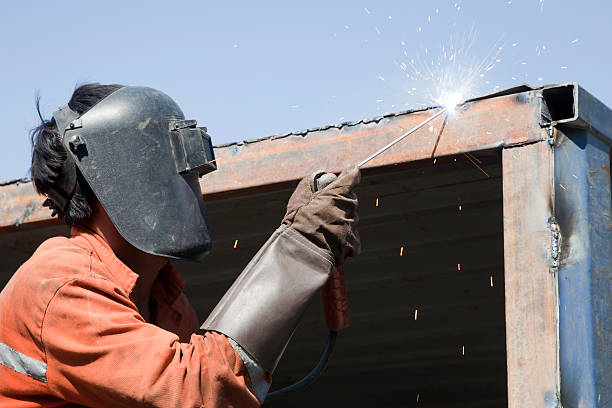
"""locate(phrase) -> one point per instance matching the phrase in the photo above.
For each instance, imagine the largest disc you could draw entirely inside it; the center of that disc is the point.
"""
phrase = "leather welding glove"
(328, 218)
(266, 302)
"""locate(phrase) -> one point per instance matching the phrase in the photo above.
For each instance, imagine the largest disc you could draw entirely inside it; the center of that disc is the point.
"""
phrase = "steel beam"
(496, 122)
(505, 120)
(531, 283)
(583, 211)
(571, 106)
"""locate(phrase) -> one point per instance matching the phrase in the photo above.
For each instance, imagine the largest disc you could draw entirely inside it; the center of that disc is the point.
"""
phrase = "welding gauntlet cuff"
(263, 307)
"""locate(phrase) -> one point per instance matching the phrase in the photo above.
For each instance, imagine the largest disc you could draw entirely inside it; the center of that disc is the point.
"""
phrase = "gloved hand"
(328, 218)
(264, 305)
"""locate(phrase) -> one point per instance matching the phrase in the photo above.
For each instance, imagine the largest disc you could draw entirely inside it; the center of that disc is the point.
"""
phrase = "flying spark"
(451, 72)
(475, 161)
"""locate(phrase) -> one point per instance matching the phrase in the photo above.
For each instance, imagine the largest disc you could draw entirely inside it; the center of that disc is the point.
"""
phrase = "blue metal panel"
(583, 210)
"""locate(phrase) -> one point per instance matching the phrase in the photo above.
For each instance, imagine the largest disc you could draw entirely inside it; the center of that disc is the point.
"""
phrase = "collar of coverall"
(167, 287)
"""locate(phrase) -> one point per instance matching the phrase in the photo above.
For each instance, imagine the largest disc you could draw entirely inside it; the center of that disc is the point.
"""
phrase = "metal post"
(583, 210)
(531, 282)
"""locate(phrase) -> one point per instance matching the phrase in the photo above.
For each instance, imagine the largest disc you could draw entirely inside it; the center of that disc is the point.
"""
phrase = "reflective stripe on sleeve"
(256, 372)
(23, 364)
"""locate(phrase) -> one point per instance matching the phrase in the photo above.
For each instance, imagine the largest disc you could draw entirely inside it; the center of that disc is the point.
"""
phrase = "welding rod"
(399, 139)
(334, 293)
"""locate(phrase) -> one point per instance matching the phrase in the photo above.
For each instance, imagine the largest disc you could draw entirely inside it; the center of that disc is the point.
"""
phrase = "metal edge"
(588, 112)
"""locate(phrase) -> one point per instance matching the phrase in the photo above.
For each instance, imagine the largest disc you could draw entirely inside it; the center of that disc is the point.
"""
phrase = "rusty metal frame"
(525, 123)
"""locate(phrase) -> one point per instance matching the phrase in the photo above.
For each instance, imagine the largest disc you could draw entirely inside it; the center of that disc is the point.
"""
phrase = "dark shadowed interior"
(432, 239)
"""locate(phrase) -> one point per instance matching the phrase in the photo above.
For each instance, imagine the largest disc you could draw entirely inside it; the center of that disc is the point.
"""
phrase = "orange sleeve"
(100, 352)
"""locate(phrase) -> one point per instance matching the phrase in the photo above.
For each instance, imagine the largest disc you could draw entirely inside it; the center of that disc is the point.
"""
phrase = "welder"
(99, 318)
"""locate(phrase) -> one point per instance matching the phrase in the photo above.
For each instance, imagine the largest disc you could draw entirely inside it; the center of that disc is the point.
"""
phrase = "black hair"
(48, 153)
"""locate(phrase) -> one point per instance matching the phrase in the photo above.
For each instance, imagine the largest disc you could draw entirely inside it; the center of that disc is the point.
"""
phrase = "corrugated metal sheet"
(442, 215)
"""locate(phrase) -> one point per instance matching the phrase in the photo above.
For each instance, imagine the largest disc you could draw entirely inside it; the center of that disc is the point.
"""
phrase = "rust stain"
(605, 169)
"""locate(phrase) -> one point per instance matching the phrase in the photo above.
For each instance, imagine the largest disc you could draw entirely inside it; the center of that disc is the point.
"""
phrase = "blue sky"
(250, 69)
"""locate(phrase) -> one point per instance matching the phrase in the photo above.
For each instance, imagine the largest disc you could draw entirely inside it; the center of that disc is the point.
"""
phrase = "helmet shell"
(129, 149)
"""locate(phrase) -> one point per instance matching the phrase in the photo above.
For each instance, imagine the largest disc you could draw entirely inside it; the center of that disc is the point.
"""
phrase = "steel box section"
(571, 106)
(531, 295)
(583, 211)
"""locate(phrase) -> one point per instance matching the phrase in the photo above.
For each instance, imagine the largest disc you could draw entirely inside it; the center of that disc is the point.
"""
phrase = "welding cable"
(315, 373)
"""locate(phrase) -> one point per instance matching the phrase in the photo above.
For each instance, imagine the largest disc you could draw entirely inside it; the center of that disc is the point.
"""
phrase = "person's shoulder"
(25, 299)
(61, 254)
(58, 260)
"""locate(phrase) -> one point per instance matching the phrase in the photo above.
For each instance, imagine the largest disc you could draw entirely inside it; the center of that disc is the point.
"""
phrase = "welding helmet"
(143, 162)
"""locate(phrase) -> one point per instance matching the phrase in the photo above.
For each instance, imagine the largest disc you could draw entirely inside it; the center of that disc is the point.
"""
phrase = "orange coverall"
(70, 335)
